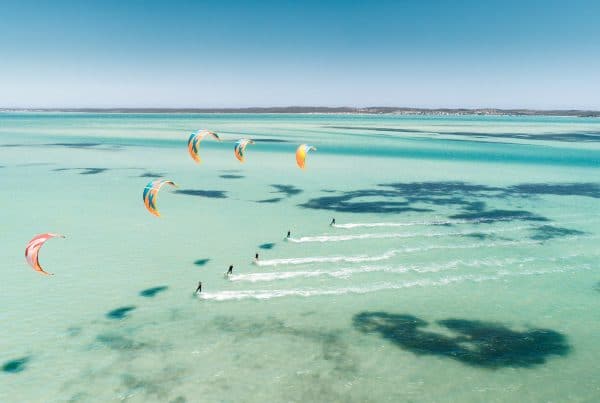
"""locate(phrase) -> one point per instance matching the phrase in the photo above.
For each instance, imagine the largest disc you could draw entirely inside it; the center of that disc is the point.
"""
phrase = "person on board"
(199, 289)
(289, 234)
(230, 270)
(256, 256)
(332, 222)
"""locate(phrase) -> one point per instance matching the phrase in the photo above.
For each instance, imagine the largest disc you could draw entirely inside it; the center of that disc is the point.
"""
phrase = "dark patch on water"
(403, 197)
(15, 366)
(288, 190)
(413, 196)
(586, 189)
(120, 313)
(158, 384)
(328, 191)
(266, 245)
(347, 203)
(76, 145)
(152, 175)
(547, 232)
(212, 194)
(151, 292)
(589, 136)
(119, 342)
(231, 176)
(83, 171)
(484, 236)
(597, 286)
(201, 262)
(477, 343)
(468, 198)
(334, 349)
(273, 200)
(270, 141)
(477, 235)
(491, 216)
(74, 331)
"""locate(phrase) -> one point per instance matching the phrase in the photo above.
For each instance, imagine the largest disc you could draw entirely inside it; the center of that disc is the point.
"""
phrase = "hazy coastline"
(333, 110)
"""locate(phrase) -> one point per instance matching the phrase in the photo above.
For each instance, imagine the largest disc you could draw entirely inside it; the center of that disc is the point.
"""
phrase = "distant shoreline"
(329, 110)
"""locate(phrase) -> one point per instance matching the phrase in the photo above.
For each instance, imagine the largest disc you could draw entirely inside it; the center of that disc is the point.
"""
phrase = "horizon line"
(320, 109)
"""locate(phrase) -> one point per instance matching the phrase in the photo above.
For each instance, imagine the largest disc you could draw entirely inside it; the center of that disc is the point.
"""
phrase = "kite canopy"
(33, 249)
(240, 148)
(151, 194)
(301, 153)
(194, 142)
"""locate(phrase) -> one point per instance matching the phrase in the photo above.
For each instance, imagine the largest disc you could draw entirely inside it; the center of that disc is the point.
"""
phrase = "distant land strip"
(375, 110)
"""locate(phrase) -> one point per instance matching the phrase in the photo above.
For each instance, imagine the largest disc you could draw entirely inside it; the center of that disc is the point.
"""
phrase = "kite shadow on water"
(212, 194)
(272, 200)
(152, 292)
(83, 171)
(16, 365)
(120, 313)
(477, 343)
(231, 176)
(287, 190)
(150, 174)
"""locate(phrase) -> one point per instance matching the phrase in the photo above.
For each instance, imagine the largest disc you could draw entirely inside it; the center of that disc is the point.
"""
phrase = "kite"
(194, 142)
(33, 249)
(240, 148)
(151, 194)
(301, 153)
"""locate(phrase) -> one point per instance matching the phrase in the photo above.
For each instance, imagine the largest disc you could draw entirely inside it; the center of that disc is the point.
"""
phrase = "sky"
(505, 54)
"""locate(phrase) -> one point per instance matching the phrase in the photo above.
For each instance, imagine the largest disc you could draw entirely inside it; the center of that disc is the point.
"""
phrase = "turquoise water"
(463, 265)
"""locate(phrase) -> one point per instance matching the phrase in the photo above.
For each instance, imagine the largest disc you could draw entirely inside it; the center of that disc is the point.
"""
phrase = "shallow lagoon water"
(464, 266)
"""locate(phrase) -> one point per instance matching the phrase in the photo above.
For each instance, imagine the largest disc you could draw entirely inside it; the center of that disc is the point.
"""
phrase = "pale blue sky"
(534, 54)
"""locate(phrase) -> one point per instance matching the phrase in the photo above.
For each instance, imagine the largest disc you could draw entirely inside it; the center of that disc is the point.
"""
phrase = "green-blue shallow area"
(462, 266)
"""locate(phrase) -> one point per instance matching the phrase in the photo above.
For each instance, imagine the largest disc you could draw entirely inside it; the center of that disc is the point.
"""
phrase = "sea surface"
(463, 266)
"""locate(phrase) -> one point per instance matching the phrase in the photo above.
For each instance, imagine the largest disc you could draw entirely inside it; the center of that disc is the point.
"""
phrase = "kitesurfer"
(199, 289)
(289, 234)
(230, 270)
(332, 222)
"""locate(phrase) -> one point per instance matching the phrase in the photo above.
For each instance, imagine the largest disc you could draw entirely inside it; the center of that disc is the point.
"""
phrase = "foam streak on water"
(441, 222)
(311, 292)
(325, 259)
(347, 272)
(340, 238)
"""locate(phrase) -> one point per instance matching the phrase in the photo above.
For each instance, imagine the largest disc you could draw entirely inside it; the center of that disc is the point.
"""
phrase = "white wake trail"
(442, 222)
(310, 292)
(349, 271)
(324, 259)
(340, 238)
